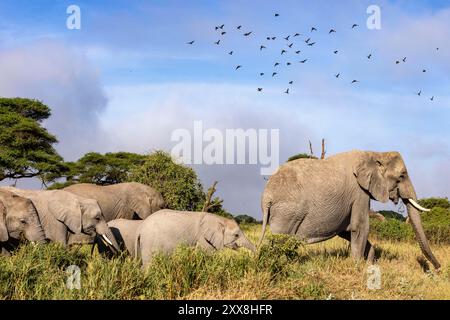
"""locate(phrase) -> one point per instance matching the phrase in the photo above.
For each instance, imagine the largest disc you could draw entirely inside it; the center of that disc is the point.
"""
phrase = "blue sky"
(127, 79)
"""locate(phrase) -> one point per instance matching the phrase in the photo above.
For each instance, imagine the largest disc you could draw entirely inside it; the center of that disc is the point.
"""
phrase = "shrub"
(243, 218)
(391, 229)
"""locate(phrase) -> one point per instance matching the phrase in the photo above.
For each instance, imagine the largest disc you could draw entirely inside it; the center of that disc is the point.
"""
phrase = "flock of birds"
(289, 45)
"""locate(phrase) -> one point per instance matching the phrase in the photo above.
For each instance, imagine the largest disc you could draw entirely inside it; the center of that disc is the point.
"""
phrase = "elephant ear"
(3, 231)
(68, 212)
(214, 233)
(370, 174)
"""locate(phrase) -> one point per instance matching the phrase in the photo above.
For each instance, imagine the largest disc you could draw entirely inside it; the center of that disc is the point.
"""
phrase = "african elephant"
(18, 218)
(319, 199)
(62, 213)
(124, 231)
(164, 230)
(122, 200)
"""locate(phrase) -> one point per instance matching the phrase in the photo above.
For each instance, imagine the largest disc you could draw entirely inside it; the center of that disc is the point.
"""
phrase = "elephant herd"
(312, 199)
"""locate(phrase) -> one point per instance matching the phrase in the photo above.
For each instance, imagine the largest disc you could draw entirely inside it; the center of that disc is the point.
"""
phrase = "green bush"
(435, 202)
(391, 229)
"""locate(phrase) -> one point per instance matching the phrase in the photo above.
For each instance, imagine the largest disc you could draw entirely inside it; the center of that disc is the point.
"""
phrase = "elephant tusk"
(418, 206)
(106, 239)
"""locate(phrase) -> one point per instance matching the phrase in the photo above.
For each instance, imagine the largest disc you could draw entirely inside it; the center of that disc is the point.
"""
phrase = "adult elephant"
(63, 214)
(319, 199)
(18, 219)
(122, 200)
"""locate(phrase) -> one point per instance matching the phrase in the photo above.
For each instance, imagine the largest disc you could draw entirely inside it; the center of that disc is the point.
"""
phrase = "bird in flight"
(432, 98)
(404, 59)
(191, 42)
(287, 38)
(313, 29)
(248, 33)
(222, 33)
(437, 49)
(335, 52)
(337, 75)
(397, 62)
(238, 67)
(261, 74)
(288, 63)
(274, 74)
(239, 27)
(287, 91)
(296, 35)
(221, 27)
(218, 42)
(424, 70)
(290, 45)
(283, 51)
(355, 25)
(307, 40)
(276, 64)
(355, 81)
(419, 93)
(311, 44)
(262, 47)
(230, 53)
(303, 61)
(332, 31)
(260, 89)
(291, 82)
(273, 38)
(276, 14)
(297, 52)
(268, 38)
(369, 56)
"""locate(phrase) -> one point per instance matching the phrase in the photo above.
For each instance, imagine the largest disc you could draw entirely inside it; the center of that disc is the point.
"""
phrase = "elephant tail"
(266, 214)
(137, 247)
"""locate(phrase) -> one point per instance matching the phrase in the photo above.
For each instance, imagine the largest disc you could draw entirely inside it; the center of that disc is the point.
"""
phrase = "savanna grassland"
(284, 268)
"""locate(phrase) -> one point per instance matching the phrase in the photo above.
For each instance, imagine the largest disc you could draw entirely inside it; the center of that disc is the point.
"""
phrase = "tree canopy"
(301, 156)
(26, 147)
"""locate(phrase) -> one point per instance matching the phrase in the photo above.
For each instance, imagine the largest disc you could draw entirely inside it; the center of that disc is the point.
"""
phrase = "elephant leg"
(369, 251)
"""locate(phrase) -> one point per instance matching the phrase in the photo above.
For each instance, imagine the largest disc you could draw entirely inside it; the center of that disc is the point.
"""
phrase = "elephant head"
(143, 199)
(82, 215)
(224, 233)
(384, 177)
(19, 218)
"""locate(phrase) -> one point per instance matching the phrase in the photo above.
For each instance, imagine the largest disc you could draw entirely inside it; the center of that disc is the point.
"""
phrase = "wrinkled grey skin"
(124, 231)
(62, 213)
(121, 200)
(319, 199)
(164, 230)
(18, 219)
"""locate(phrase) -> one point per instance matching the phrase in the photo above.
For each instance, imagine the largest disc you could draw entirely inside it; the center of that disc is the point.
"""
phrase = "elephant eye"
(236, 235)
(23, 221)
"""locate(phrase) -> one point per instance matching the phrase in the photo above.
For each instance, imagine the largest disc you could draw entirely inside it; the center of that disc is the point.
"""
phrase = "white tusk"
(106, 239)
(418, 206)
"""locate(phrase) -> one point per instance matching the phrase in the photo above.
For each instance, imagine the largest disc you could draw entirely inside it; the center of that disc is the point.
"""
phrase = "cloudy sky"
(127, 79)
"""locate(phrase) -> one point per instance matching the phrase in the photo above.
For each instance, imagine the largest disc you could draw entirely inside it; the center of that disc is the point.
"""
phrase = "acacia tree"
(26, 147)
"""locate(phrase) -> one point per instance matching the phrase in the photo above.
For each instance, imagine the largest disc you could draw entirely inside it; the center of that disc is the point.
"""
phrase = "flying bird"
(287, 91)
(397, 62)
(332, 31)
(424, 70)
(274, 74)
(311, 44)
(290, 45)
(218, 42)
(303, 61)
(230, 53)
(262, 47)
(261, 74)
(335, 52)
(260, 89)
(337, 75)
(239, 27)
(437, 49)
(313, 29)
(404, 59)
(221, 27)
(191, 42)
(276, 14)
(291, 82)
(273, 38)
(419, 93)
(238, 67)
(307, 40)
(276, 64)
(355, 25)
(283, 51)
(222, 33)
(296, 35)
(369, 56)
(268, 38)
(432, 98)
(248, 33)
(288, 63)
(297, 52)
(355, 81)
(287, 38)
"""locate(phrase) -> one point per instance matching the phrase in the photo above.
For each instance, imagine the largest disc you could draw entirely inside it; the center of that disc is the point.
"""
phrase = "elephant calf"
(164, 230)
(124, 232)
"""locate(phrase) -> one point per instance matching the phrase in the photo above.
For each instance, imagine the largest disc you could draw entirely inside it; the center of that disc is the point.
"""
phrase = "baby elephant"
(124, 232)
(164, 230)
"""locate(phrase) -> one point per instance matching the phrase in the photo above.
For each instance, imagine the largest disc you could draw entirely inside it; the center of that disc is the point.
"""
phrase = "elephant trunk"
(106, 235)
(407, 192)
(244, 242)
